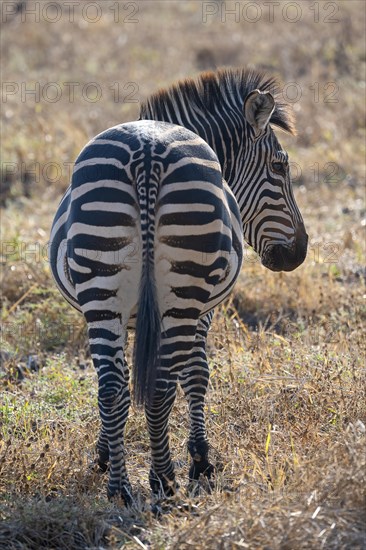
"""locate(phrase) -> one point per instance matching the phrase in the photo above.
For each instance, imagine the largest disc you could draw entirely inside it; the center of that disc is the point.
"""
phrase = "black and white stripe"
(149, 236)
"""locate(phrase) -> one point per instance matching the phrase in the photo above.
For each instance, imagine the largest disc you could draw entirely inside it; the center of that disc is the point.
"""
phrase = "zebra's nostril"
(284, 258)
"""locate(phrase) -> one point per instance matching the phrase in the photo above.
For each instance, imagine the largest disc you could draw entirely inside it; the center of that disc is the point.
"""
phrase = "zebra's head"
(272, 222)
(233, 110)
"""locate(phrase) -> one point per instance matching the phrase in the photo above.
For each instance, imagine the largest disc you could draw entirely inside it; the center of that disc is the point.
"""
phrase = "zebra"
(149, 236)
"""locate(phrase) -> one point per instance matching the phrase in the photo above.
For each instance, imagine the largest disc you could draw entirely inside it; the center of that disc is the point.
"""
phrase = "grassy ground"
(286, 406)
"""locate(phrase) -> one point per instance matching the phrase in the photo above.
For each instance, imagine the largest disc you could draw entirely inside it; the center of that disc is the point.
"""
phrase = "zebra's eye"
(279, 168)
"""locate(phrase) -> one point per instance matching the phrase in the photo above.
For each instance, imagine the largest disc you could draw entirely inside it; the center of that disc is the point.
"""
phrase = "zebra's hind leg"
(194, 381)
(162, 476)
(106, 338)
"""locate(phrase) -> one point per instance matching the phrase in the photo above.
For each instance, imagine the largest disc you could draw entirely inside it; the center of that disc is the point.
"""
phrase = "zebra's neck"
(219, 125)
(212, 107)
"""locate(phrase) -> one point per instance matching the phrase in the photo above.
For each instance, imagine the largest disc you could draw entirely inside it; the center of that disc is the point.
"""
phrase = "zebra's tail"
(148, 323)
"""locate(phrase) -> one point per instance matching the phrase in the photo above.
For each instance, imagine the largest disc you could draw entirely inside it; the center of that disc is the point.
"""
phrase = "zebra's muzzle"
(284, 258)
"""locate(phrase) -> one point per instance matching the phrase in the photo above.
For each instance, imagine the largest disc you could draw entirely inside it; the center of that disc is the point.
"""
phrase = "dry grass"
(286, 408)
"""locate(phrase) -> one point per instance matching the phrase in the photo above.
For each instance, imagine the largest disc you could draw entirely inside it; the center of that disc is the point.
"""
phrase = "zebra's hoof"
(162, 486)
(103, 456)
(122, 495)
(102, 466)
(203, 467)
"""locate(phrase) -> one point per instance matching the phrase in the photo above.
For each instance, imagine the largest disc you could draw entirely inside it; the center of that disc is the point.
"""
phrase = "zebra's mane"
(215, 89)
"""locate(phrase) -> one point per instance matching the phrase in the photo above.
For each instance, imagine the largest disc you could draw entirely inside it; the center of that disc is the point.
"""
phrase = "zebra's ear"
(258, 109)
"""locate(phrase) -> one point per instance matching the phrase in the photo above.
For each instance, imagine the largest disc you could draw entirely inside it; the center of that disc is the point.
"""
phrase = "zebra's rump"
(146, 192)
